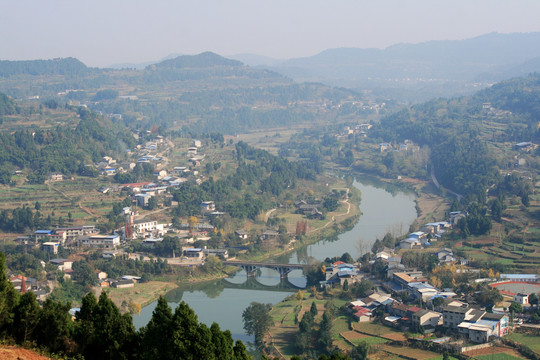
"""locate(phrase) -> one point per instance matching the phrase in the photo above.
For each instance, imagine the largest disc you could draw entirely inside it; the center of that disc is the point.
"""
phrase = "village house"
(50, 247)
(242, 234)
(483, 326)
(208, 206)
(43, 234)
(340, 272)
(426, 319)
(141, 226)
(410, 243)
(142, 199)
(73, 233)
(525, 146)
(101, 275)
(220, 253)
(123, 283)
(193, 253)
(56, 177)
(533, 278)
(446, 256)
(477, 325)
(151, 242)
(402, 280)
(160, 174)
(422, 291)
(102, 241)
(455, 216)
(180, 170)
(522, 299)
(269, 235)
(62, 264)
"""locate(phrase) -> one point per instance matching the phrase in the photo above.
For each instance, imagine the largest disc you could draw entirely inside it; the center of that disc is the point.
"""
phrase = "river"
(384, 209)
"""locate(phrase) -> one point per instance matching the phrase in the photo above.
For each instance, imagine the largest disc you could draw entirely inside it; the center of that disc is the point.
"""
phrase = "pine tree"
(156, 335)
(55, 327)
(313, 309)
(26, 317)
(9, 299)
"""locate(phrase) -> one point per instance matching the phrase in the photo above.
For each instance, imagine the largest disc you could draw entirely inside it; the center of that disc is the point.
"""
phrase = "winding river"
(385, 209)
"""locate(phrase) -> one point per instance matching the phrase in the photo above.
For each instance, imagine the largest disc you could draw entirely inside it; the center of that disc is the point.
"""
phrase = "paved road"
(459, 196)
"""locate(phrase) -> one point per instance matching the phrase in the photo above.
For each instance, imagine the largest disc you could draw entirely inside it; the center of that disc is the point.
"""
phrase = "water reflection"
(223, 301)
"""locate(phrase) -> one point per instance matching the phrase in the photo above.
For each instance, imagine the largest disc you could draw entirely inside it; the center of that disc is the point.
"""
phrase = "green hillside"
(200, 93)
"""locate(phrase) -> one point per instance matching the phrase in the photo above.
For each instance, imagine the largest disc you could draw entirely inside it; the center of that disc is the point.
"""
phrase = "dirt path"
(268, 213)
(58, 191)
(86, 210)
(17, 353)
(333, 218)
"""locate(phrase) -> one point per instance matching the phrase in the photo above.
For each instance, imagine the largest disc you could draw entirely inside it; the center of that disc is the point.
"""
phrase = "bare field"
(142, 294)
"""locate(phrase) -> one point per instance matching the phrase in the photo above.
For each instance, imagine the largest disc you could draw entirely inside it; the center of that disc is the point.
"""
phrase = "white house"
(522, 299)
(103, 241)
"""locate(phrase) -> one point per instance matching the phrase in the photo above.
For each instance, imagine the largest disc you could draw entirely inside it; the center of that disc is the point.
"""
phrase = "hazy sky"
(104, 32)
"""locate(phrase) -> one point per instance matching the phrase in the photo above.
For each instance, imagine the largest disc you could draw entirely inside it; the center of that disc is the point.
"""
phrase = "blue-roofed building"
(339, 273)
(43, 234)
(520, 277)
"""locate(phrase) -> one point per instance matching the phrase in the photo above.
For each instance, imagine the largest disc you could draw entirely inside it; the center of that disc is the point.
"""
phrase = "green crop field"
(531, 341)
(499, 356)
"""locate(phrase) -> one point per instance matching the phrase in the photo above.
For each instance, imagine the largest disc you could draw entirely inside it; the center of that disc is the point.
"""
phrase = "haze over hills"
(417, 72)
(200, 93)
(405, 72)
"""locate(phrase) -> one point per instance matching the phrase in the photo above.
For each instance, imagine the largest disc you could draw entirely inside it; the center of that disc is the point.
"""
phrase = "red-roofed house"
(362, 314)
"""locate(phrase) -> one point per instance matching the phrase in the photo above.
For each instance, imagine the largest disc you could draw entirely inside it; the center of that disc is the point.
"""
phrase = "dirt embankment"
(17, 353)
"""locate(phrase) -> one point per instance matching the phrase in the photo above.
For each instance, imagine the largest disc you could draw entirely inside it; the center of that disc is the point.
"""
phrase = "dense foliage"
(259, 175)
(7, 106)
(63, 149)
(67, 66)
(100, 331)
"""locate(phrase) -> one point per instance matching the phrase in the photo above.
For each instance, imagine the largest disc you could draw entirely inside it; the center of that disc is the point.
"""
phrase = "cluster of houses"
(359, 129)
(341, 272)
(405, 146)
(23, 284)
(310, 210)
(431, 232)
(446, 314)
(452, 316)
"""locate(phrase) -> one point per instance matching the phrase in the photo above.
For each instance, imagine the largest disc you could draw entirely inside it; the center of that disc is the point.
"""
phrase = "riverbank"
(141, 294)
(431, 205)
(337, 222)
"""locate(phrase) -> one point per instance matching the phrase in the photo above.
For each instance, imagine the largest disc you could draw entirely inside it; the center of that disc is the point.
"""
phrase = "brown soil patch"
(351, 335)
(409, 352)
(17, 353)
(494, 350)
(394, 336)
(483, 241)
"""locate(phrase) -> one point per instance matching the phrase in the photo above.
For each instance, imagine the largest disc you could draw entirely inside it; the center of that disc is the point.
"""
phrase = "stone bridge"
(251, 267)
(251, 283)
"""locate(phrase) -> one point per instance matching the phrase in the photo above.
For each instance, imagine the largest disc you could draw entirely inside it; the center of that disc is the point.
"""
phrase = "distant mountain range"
(405, 72)
(417, 72)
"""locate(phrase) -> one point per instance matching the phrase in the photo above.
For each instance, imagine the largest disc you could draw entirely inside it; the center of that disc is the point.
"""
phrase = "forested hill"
(466, 134)
(200, 93)
(419, 72)
(65, 148)
(203, 60)
(7, 106)
(67, 66)
(518, 95)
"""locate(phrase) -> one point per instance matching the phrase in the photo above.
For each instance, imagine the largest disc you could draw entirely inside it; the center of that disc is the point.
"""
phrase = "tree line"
(100, 331)
(259, 176)
(63, 149)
